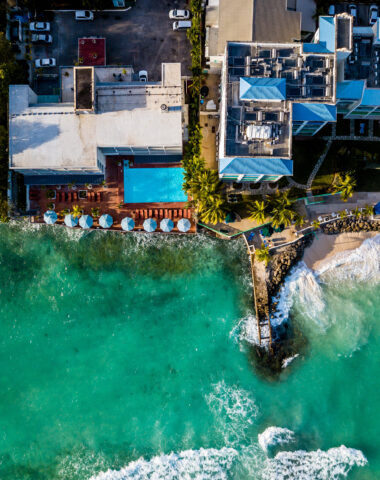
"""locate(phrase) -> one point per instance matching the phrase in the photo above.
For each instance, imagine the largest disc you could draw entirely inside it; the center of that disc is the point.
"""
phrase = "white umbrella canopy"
(183, 225)
(50, 217)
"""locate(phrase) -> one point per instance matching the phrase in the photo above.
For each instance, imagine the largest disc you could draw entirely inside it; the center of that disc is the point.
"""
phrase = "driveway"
(141, 37)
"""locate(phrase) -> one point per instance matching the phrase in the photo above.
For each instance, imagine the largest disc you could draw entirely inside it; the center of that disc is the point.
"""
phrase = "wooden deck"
(109, 200)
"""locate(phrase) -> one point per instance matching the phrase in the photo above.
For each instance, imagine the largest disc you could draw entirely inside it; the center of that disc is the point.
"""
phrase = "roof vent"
(164, 107)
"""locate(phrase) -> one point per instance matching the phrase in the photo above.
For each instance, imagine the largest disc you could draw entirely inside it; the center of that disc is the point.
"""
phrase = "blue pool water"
(145, 185)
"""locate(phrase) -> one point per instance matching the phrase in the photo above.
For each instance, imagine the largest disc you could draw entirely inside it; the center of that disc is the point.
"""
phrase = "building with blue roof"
(271, 91)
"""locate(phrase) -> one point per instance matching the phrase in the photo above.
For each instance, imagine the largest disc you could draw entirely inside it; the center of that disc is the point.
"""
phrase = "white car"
(353, 10)
(373, 14)
(84, 15)
(39, 27)
(45, 62)
(179, 14)
(143, 76)
(41, 38)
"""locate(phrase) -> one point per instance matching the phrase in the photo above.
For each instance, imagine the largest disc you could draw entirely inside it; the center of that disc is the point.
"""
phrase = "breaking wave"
(273, 437)
(202, 464)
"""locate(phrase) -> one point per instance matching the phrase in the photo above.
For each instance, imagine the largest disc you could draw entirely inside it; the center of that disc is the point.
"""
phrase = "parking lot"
(141, 37)
(362, 16)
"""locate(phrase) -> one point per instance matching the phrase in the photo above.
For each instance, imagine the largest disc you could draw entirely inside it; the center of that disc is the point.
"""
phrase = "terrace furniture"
(136, 215)
(320, 219)
(156, 213)
(170, 214)
(161, 213)
(175, 214)
(75, 195)
(145, 214)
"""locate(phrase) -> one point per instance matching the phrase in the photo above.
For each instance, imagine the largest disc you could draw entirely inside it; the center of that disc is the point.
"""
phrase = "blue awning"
(371, 97)
(314, 112)
(256, 166)
(256, 88)
(350, 90)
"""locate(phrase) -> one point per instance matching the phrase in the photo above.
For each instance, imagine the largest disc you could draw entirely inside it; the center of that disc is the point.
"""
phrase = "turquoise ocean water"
(127, 357)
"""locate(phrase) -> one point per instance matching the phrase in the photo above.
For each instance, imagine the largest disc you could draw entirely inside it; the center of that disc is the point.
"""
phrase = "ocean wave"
(300, 287)
(202, 464)
(287, 361)
(333, 464)
(246, 331)
(359, 265)
(273, 437)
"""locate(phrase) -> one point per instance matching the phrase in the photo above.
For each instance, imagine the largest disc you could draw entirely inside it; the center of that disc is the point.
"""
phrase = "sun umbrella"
(376, 209)
(106, 221)
(266, 231)
(150, 225)
(86, 221)
(71, 221)
(183, 225)
(166, 225)
(279, 229)
(50, 217)
(128, 224)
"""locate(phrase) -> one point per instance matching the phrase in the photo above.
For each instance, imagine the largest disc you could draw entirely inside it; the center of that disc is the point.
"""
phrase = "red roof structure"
(91, 51)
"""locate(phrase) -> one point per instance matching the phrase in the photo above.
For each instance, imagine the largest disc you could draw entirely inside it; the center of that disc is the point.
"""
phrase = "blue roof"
(255, 88)
(371, 97)
(327, 32)
(350, 90)
(314, 111)
(256, 166)
(315, 48)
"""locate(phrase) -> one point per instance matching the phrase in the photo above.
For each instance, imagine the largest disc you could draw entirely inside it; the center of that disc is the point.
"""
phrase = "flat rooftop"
(126, 115)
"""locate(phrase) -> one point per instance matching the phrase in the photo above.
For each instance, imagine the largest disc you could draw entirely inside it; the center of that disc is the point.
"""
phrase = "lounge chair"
(145, 214)
(170, 214)
(161, 213)
(156, 213)
(175, 213)
(320, 219)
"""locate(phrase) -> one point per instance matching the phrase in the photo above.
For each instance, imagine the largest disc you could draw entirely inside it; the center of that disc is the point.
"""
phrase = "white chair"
(320, 219)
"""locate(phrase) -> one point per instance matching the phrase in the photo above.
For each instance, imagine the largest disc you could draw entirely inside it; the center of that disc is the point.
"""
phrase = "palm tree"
(257, 211)
(77, 212)
(262, 254)
(342, 214)
(282, 215)
(316, 224)
(357, 212)
(300, 220)
(345, 186)
(368, 210)
(212, 210)
(95, 212)
(205, 184)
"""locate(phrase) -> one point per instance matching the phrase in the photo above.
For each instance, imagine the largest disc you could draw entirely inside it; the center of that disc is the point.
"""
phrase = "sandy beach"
(326, 246)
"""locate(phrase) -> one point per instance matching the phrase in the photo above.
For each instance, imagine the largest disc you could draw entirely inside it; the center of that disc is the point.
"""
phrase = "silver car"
(39, 27)
(45, 62)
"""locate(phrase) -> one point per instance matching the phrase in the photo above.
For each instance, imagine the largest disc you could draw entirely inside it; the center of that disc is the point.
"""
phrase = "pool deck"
(110, 198)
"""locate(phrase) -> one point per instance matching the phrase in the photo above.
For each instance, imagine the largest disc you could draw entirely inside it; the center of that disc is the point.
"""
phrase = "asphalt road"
(142, 37)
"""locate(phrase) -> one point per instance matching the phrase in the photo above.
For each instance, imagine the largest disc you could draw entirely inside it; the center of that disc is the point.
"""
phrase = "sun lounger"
(161, 213)
(170, 214)
(75, 194)
(145, 213)
(175, 213)
(320, 219)
(156, 213)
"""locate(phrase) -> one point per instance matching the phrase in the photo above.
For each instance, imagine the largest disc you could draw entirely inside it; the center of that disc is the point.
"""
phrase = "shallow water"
(129, 353)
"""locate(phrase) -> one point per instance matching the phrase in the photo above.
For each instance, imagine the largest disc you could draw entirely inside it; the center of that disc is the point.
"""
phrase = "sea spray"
(274, 437)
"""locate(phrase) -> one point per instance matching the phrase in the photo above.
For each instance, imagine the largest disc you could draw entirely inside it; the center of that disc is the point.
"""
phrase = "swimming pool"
(151, 185)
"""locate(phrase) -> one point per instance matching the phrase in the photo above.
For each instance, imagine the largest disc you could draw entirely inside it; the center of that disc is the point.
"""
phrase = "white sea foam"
(302, 287)
(333, 464)
(203, 464)
(246, 331)
(273, 437)
(235, 410)
(361, 264)
(287, 361)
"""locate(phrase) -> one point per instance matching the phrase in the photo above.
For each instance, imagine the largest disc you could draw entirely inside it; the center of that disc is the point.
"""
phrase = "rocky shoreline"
(350, 224)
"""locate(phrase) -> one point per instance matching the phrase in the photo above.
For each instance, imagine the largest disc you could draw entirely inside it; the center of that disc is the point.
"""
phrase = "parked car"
(84, 15)
(353, 10)
(39, 27)
(373, 14)
(45, 62)
(182, 25)
(143, 76)
(179, 14)
(41, 38)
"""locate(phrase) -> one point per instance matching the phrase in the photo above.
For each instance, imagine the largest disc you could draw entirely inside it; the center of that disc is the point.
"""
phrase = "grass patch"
(305, 155)
(362, 158)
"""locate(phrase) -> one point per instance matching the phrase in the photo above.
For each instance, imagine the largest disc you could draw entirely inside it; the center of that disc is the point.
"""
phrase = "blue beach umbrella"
(376, 209)
(127, 224)
(106, 221)
(183, 225)
(86, 221)
(50, 217)
(150, 225)
(71, 221)
(166, 225)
